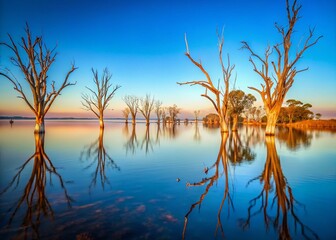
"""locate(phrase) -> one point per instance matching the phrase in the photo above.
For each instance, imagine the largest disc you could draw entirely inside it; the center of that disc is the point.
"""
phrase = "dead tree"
(126, 113)
(278, 76)
(196, 113)
(158, 110)
(146, 107)
(132, 103)
(34, 60)
(219, 97)
(164, 115)
(101, 96)
(173, 112)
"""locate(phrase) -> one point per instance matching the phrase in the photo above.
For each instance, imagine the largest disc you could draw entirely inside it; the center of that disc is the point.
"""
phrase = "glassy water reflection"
(172, 182)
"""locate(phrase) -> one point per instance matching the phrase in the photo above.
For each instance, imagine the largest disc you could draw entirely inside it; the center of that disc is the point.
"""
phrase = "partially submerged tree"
(238, 101)
(276, 86)
(34, 60)
(132, 103)
(158, 110)
(100, 96)
(173, 112)
(196, 113)
(146, 107)
(220, 96)
(163, 115)
(126, 113)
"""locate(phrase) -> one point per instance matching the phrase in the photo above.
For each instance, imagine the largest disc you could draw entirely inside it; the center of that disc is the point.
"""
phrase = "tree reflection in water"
(197, 135)
(34, 195)
(238, 151)
(146, 141)
(274, 181)
(221, 161)
(97, 154)
(294, 138)
(170, 130)
(132, 142)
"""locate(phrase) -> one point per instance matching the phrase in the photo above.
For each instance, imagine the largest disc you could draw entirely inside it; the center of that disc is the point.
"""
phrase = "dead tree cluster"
(277, 67)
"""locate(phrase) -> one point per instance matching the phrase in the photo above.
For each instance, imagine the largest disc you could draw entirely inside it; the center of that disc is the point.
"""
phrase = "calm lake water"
(186, 182)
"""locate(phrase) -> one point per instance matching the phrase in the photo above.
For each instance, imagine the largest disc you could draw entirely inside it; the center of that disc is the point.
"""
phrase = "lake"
(182, 182)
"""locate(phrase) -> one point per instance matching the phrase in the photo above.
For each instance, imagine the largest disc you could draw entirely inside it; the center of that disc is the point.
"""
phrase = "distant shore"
(314, 124)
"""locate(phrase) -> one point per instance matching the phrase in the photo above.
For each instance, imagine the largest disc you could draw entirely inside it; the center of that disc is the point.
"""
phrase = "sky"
(142, 45)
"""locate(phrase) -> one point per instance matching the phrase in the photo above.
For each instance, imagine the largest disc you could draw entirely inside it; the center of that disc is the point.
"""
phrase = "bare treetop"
(100, 98)
(219, 99)
(278, 75)
(146, 107)
(132, 103)
(34, 59)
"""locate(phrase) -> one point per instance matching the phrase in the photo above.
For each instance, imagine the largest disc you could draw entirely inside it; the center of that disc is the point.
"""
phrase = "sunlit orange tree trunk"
(279, 76)
(34, 60)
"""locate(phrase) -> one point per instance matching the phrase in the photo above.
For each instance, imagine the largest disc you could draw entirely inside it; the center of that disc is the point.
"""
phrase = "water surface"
(187, 181)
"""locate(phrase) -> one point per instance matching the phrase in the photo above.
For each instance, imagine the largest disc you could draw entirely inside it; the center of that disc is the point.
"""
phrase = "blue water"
(140, 183)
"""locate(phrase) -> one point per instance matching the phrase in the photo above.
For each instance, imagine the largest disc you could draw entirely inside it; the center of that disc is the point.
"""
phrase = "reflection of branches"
(158, 131)
(237, 151)
(132, 142)
(209, 181)
(294, 138)
(197, 135)
(254, 135)
(34, 195)
(97, 151)
(271, 177)
(146, 141)
(169, 130)
(125, 129)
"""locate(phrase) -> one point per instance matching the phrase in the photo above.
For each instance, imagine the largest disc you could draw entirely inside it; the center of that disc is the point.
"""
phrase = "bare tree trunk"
(272, 117)
(39, 126)
(235, 122)
(101, 123)
(133, 120)
(223, 126)
(147, 122)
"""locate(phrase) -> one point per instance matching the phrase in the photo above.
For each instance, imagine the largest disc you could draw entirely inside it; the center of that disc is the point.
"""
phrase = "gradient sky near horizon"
(142, 44)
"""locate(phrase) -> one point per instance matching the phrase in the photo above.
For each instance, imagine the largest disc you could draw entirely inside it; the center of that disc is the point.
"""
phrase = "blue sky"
(142, 44)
